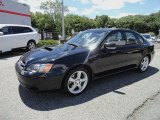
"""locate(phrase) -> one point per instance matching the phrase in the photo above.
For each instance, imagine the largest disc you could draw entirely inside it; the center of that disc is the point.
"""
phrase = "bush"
(44, 43)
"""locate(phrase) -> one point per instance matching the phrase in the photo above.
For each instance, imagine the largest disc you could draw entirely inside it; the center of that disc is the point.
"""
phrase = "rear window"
(147, 36)
(132, 37)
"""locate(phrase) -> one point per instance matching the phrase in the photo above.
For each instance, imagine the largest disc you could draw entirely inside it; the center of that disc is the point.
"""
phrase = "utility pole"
(63, 29)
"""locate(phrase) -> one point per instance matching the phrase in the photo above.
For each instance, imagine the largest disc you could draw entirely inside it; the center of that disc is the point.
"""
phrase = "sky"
(112, 8)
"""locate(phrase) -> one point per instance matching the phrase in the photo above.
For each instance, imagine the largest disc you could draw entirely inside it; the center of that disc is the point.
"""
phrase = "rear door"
(134, 47)
(23, 35)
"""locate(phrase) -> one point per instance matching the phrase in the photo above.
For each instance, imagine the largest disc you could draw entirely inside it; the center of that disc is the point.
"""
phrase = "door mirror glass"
(131, 41)
(131, 38)
(110, 46)
(1, 33)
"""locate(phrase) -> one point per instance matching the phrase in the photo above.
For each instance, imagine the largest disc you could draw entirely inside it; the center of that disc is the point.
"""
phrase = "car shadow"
(13, 53)
(51, 100)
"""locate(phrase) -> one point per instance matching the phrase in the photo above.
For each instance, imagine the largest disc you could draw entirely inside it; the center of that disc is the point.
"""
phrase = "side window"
(140, 38)
(116, 38)
(16, 30)
(131, 38)
(7, 30)
(26, 30)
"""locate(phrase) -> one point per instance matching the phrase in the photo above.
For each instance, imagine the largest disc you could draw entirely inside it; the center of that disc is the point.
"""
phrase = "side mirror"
(131, 41)
(110, 46)
(1, 33)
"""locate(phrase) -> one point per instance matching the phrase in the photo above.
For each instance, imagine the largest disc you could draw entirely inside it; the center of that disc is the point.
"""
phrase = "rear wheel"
(76, 81)
(144, 64)
(31, 45)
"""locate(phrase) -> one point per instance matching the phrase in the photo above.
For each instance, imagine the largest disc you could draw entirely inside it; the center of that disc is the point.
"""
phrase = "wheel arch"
(32, 40)
(149, 57)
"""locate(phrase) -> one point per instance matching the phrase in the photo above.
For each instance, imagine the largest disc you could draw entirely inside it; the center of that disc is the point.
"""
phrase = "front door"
(7, 39)
(112, 58)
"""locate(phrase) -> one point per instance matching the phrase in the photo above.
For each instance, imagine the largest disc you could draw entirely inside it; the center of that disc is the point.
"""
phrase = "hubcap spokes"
(144, 64)
(77, 82)
(31, 46)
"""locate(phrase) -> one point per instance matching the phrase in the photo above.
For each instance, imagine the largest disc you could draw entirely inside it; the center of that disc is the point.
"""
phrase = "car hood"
(47, 54)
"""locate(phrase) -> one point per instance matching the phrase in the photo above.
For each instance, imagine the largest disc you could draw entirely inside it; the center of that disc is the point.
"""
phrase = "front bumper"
(152, 56)
(41, 83)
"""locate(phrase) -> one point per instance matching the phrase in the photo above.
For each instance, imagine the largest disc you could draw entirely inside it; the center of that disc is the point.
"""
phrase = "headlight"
(42, 68)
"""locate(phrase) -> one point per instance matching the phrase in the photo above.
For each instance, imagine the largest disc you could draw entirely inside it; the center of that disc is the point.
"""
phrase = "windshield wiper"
(73, 44)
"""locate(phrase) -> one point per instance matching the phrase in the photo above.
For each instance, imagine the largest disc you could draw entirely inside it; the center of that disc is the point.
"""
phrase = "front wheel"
(144, 64)
(31, 45)
(76, 81)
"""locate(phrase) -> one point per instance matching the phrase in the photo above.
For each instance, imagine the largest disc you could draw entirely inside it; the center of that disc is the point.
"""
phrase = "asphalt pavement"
(128, 95)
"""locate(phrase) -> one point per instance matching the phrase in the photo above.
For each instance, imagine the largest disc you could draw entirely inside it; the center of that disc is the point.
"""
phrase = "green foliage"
(78, 23)
(50, 20)
(104, 21)
(44, 43)
(139, 23)
(42, 21)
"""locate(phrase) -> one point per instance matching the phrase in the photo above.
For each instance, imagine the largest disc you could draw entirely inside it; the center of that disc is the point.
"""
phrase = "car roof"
(110, 29)
(3, 25)
(146, 34)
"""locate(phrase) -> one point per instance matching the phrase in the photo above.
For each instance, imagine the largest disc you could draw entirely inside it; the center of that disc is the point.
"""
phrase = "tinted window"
(116, 38)
(131, 38)
(147, 36)
(7, 30)
(26, 30)
(17, 30)
(140, 38)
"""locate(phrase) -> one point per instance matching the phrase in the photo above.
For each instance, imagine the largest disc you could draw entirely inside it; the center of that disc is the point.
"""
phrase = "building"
(12, 12)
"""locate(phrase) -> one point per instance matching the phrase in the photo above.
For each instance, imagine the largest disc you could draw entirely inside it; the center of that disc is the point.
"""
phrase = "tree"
(53, 9)
(41, 21)
(78, 23)
(139, 23)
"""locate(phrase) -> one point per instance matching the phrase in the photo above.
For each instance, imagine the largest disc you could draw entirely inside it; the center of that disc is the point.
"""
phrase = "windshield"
(88, 38)
(147, 36)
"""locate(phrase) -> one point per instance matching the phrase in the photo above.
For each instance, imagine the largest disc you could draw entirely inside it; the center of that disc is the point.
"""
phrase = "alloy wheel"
(31, 46)
(144, 64)
(77, 82)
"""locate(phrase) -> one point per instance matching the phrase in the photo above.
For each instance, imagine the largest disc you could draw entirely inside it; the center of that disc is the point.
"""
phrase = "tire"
(144, 64)
(76, 82)
(31, 45)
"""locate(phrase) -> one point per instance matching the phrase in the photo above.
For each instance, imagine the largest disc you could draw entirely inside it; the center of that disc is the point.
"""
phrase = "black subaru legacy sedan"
(88, 56)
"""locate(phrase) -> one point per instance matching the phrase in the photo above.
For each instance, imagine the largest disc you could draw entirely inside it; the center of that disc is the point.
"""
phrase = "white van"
(17, 36)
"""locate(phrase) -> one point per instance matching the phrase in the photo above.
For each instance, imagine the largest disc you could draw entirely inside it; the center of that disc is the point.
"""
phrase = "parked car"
(17, 36)
(149, 37)
(158, 39)
(90, 55)
(153, 38)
